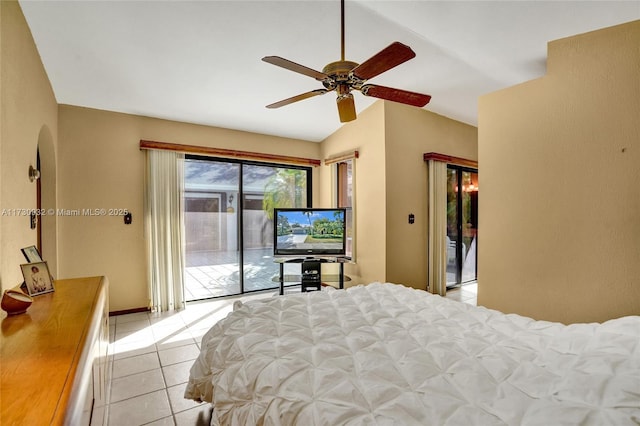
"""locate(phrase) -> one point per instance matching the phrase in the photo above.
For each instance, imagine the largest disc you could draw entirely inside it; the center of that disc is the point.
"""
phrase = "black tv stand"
(311, 277)
(302, 259)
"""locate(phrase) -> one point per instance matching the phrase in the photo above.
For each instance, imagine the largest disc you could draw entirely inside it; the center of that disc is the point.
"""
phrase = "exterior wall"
(366, 135)
(409, 133)
(560, 202)
(28, 116)
(101, 166)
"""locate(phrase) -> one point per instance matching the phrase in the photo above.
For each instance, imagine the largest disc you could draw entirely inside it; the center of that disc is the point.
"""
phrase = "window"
(195, 203)
(344, 184)
(344, 198)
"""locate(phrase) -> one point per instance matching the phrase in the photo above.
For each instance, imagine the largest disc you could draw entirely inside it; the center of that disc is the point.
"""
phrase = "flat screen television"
(308, 232)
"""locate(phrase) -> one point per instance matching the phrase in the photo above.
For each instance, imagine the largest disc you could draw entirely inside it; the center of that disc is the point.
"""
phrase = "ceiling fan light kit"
(344, 76)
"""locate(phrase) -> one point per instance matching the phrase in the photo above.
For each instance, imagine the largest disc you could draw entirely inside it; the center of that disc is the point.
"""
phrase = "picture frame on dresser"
(32, 254)
(37, 278)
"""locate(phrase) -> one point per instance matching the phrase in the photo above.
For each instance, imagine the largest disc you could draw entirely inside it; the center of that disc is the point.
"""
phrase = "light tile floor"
(467, 293)
(151, 355)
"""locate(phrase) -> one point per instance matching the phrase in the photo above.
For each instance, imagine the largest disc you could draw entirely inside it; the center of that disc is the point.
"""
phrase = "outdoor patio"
(217, 273)
(210, 274)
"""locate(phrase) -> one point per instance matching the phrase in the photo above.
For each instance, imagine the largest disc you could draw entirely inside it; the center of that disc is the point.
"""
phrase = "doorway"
(462, 225)
(228, 223)
(46, 224)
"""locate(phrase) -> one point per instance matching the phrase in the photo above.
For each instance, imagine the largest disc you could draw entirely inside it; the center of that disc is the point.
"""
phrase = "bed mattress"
(386, 354)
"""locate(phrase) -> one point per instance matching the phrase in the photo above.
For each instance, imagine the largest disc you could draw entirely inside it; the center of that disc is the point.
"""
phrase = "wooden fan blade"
(292, 66)
(389, 57)
(346, 108)
(297, 98)
(395, 95)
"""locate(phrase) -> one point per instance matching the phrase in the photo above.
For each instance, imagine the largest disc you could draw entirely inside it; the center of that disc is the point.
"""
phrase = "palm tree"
(285, 188)
(308, 215)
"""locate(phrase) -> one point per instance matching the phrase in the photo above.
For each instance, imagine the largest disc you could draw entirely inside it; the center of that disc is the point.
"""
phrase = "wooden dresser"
(54, 363)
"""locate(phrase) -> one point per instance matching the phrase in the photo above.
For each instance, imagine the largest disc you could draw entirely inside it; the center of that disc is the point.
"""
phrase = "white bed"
(386, 354)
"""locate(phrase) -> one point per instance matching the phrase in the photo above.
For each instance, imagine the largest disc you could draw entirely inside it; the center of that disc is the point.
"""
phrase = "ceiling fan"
(345, 76)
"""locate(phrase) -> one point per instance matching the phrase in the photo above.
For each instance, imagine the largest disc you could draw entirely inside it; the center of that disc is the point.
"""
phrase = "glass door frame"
(239, 211)
(459, 170)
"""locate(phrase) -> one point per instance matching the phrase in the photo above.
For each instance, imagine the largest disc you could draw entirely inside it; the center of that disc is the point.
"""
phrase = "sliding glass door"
(211, 229)
(229, 223)
(264, 188)
(462, 225)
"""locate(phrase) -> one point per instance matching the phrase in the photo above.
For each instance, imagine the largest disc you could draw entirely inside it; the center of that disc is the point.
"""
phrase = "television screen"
(309, 232)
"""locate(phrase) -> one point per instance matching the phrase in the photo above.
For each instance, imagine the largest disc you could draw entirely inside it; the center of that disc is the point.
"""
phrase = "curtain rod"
(229, 153)
(341, 157)
(450, 159)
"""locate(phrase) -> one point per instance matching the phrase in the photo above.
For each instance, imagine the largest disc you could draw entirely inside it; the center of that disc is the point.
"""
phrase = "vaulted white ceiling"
(200, 62)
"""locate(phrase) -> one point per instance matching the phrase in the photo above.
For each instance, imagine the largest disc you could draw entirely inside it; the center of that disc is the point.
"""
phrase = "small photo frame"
(32, 254)
(37, 278)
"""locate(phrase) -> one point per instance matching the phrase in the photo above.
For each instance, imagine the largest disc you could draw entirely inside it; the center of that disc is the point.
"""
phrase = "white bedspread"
(385, 354)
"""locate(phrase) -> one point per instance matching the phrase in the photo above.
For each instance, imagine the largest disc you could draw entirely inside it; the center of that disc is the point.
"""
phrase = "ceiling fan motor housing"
(339, 73)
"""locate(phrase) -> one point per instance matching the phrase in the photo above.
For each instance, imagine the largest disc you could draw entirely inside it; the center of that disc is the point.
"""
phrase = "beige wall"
(366, 135)
(409, 133)
(391, 183)
(28, 117)
(101, 166)
(2, 136)
(560, 201)
(97, 164)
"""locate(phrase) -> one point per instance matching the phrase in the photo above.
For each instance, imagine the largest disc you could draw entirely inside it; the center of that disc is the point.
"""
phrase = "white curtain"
(437, 244)
(164, 219)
